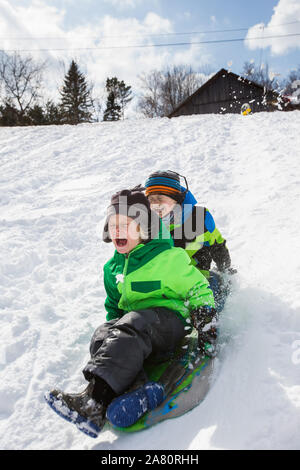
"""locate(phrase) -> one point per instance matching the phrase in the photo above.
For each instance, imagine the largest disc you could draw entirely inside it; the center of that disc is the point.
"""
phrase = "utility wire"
(142, 46)
(147, 35)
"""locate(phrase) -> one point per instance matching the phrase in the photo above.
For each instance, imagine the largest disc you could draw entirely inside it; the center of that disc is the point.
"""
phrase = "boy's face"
(124, 233)
(161, 204)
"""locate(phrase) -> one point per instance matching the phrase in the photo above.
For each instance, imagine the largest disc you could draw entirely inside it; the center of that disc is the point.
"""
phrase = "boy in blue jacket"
(192, 228)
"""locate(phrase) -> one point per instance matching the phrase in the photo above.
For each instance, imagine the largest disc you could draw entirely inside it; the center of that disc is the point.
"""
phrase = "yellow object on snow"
(245, 110)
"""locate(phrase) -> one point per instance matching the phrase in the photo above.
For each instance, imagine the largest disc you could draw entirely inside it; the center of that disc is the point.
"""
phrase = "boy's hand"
(202, 316)
(206, 344)
(201, 320)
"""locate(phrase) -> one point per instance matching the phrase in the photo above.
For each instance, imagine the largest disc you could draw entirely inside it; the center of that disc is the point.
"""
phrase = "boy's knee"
(99, 335)
(139, 320)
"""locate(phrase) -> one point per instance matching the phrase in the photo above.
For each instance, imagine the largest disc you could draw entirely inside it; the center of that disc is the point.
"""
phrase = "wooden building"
(227, 92)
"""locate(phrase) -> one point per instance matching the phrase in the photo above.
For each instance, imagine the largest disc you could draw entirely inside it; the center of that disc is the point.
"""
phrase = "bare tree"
(150, 103)
(165, 90)
(292, 83)
(21, 80)
(260, 75)
(180, 82)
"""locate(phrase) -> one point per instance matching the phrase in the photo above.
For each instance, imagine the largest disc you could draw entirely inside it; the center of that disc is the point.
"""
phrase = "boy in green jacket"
(153, 294)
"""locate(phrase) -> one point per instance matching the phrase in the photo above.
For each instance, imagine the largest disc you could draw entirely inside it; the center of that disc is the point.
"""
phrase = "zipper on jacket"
(124, 280)
(124, 294)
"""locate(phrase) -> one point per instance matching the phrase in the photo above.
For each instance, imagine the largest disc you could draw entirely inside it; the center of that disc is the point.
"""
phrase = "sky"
(115, 37)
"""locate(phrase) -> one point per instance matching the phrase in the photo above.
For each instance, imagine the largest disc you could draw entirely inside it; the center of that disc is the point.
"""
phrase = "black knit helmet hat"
(133, 204)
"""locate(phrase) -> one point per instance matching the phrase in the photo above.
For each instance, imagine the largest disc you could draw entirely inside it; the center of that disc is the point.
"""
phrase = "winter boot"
(127, 409)
(86, 409)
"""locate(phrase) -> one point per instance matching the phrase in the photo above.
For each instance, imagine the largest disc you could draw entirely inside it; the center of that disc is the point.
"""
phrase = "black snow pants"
(119, 347)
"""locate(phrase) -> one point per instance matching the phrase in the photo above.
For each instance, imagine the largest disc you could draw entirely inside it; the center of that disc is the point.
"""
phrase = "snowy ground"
(55, 185)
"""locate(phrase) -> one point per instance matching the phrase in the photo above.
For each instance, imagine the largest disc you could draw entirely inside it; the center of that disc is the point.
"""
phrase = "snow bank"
(55, 183)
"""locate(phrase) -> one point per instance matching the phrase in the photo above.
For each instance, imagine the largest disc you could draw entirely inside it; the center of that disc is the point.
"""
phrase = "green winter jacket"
(207, 244)
(155, 274)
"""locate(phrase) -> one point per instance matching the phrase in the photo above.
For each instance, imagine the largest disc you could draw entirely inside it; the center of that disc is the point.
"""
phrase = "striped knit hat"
(164, 182)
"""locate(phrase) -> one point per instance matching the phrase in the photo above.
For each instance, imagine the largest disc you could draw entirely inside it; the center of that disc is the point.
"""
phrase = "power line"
(142, 46)
(32, 38)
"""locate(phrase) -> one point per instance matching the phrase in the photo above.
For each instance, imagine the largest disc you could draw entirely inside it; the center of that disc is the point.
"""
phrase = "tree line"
(21, 92)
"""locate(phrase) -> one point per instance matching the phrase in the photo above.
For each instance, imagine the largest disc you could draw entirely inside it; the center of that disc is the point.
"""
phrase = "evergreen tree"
(76, 97)
(119, 95)
(53, 113)
(125, 96)
(36, 116)
(113, 109)
(9, 115)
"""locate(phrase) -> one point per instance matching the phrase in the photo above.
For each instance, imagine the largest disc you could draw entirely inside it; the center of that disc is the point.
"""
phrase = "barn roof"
(213, 79)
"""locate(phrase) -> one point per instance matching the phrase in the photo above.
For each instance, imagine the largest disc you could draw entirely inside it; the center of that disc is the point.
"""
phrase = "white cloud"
(36, 21)
(39, 21)
(283, 22)
(123, 4)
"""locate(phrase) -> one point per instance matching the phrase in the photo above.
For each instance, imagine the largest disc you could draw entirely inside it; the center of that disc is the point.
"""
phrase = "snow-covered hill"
(55, 185)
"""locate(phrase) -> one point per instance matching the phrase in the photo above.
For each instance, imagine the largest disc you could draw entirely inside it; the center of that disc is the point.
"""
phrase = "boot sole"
(82, 424)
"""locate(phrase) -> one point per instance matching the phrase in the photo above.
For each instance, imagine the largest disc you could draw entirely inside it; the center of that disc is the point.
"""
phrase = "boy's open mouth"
(120, 242)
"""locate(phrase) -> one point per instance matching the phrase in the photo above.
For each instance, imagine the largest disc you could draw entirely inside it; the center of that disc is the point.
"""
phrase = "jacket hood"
(188, 204)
